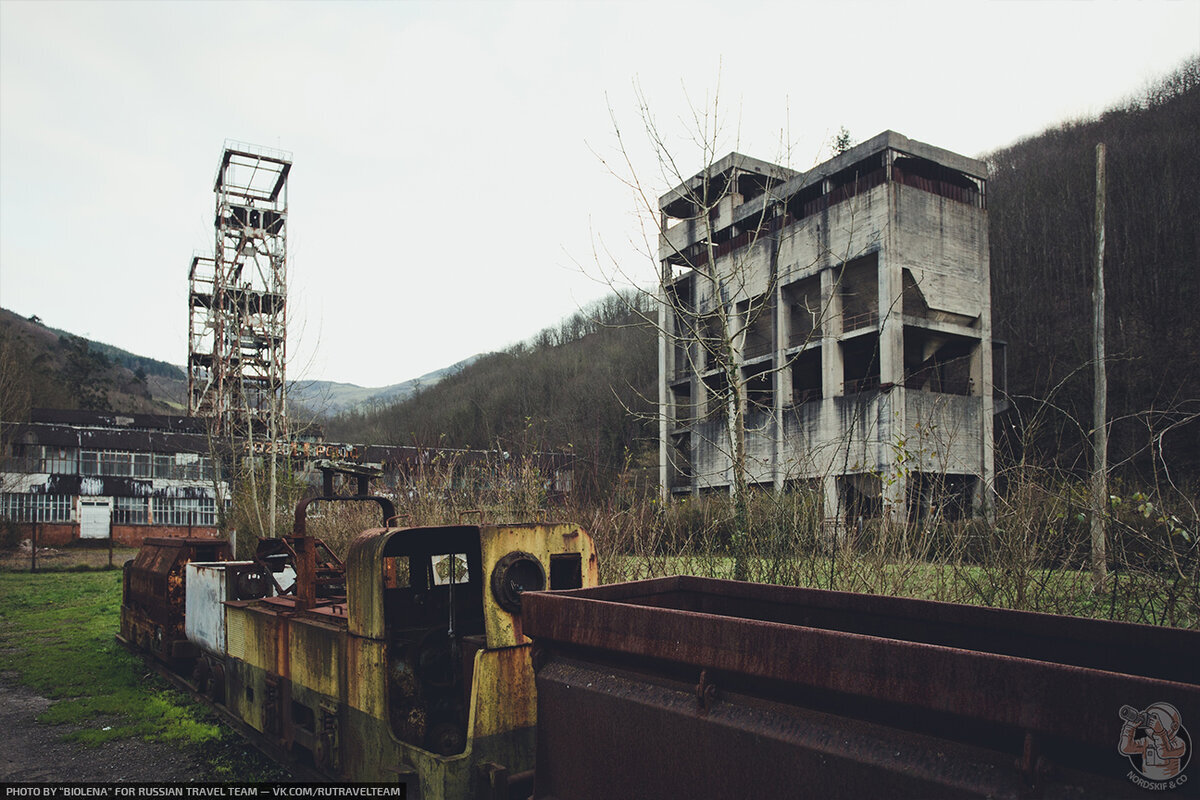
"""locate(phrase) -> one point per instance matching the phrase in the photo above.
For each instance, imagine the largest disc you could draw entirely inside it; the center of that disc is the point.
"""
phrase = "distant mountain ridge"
(59, 369)
(327, 398)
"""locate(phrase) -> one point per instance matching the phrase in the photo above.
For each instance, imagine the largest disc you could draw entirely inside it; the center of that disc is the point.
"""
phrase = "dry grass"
(73, 558)
(1033, 556)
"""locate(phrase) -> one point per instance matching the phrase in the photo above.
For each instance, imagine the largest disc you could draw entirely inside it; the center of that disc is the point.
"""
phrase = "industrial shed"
(95, 475)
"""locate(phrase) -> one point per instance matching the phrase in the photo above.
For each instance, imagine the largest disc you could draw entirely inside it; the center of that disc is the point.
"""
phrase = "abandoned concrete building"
(847, 309)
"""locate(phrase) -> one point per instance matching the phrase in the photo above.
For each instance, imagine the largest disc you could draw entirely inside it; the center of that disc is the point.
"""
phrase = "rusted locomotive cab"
(154, 593)
(689, 687)
(421, 673)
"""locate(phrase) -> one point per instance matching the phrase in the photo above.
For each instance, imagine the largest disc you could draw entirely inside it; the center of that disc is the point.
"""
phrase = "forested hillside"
(42, 367)
(572, 386)
(587, 386)
(1041, 206)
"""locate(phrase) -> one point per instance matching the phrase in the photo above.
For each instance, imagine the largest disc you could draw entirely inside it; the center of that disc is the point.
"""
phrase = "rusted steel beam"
(1148, 650)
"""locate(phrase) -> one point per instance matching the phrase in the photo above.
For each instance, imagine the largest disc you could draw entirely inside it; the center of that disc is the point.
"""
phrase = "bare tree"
(14, 396)
(716, 238)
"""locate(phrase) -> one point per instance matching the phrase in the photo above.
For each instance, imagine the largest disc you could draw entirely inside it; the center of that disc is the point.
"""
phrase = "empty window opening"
(860, 364)
(681, 299)
(714, 340)
(999, 368)
(759, 383)
(750, 184)
(806, 377)
(808, 201)
(938, 362)
(681, 397)
(857, 179)
(858, 287)
(757, 322)
(680, 456)
(861, 497)
(934, 497)
(566, 571)
(913, 297)
(717, 387)
(803, 302)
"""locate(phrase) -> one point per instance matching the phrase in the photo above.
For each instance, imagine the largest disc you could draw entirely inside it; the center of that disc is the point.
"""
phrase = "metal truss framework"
(237, 303)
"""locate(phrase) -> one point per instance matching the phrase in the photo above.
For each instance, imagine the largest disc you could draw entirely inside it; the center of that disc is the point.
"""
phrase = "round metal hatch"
(517, 572)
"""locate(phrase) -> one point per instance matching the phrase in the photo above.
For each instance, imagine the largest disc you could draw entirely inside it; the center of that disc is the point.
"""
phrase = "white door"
(95, 517)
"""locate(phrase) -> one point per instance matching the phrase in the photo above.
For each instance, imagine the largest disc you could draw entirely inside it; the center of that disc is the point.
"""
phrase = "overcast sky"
(449, 194)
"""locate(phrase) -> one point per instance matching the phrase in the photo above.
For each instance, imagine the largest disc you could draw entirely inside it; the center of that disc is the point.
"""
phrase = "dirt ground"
(35, 752)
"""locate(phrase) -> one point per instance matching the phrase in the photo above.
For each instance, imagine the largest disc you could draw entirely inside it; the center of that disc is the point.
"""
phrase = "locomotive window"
(395, 573)
(451, 567)
(566, 571)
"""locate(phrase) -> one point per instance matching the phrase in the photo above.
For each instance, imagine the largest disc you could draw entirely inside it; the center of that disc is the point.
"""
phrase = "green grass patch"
(56, 634)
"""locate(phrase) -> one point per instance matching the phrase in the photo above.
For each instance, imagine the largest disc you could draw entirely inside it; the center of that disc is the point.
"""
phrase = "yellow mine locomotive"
(407, 663)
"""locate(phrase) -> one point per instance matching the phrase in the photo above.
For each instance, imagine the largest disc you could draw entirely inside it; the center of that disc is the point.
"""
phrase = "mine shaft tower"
(237, 304)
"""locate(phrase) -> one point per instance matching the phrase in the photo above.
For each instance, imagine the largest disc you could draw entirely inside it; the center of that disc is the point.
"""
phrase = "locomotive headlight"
(517, 572)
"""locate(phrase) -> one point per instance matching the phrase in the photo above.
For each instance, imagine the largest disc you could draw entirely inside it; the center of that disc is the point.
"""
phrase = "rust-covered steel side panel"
(824, 681)
(153, 595)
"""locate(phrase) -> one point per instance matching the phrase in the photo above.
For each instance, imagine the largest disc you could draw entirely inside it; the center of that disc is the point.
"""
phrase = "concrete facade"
(849, 309)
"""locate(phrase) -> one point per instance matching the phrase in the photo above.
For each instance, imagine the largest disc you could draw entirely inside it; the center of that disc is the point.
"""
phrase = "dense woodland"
(587, 387)
(47, 368)
(573, 387)
(1041, 207)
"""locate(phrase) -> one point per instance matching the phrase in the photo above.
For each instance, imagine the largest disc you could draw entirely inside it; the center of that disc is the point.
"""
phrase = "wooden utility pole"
(1100, 405)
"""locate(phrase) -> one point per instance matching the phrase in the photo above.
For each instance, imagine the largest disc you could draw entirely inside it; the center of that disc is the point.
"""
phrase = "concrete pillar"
(782, 387)
(982, 382)
(831, 330)
(892, 424)
(666, 323)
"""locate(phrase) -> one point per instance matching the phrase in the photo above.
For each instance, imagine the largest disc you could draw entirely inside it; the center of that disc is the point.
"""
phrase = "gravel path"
(35, 752)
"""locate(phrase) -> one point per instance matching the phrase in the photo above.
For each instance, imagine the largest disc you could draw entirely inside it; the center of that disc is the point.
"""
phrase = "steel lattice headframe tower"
(237, 309)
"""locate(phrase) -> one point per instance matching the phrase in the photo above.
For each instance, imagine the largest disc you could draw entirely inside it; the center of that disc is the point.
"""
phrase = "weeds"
(1032, 555)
